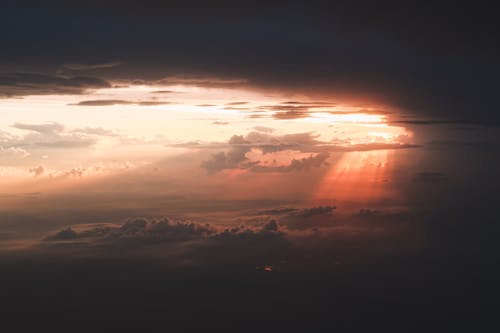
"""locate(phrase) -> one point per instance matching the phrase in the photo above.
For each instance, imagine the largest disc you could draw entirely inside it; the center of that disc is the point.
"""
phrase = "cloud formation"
(142, 231)
(13, 152)
(110, 102)
(37, 171)
(48, 135)
(25, 84)
(88, 67)
(238, 146)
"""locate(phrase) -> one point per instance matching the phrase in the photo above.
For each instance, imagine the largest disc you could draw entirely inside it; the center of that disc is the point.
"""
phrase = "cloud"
(292, 218)
(37, 171)
(142, 231)
(110, 102)
(50, 128)
(87, 67)
(303, 164)
(313, 211)
(297, 109)
(271, 226)
(264, 129)
(95, 131)
(426, 122)
(270, 143)
(220, 123)
(237, 103)
(366, 212)
(234, 158)
(411, 47)
(137, 230)
(74, 172)
(200, 80)
(48, 135)
(239, 145)
(13, 152)
(293, 114)
(65, 234)
(25, 84)
(164, 92)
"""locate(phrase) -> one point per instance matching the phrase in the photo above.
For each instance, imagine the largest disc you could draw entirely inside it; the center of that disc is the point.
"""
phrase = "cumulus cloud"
(302, 164)
(313, 211)
(238, 146)
(25, 84)
(292, 218)
(138, 229)
(166, 230)
(234, 158)
(37, 171)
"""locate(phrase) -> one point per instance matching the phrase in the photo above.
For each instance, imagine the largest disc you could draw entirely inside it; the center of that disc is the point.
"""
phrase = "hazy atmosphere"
(244, 166)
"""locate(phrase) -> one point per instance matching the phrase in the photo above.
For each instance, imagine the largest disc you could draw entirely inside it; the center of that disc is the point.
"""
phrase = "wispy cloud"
(87, 67)
(25, 84)
(110, 102)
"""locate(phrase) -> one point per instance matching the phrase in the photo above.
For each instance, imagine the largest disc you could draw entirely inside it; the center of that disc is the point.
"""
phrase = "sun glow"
(140, 124)
(360, 176)
(358, 118)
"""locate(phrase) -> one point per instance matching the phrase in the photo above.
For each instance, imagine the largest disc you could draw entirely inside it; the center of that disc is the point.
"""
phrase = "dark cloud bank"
(437, 60)
(370, 268)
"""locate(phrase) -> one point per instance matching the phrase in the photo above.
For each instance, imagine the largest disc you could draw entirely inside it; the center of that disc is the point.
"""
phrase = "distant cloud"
(48, 135)
(320, 210)
(96, 131)
(236, 103)
(13, 152)
(86, 67)
(366, 212)
(302, 164)
(50, 128)
(264, 129)
(239, 145)
(292, 114)
(292, 218)
(234, 158)
(198, 80)
(142, 231)
(164, 92)
(37, 171)
(108, 102)
(220, 123)
(25, 84)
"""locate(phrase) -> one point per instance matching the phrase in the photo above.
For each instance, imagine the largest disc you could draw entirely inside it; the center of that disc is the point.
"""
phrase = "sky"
(249, 165)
